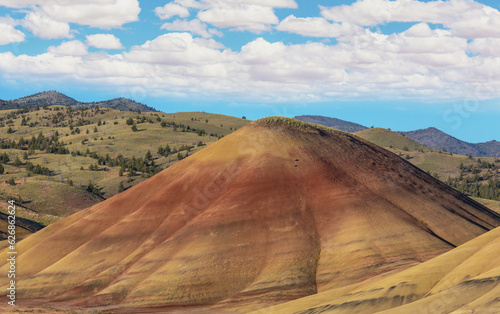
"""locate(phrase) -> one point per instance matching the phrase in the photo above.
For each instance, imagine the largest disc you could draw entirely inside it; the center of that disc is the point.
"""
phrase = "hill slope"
(387, 138)
(464, 280)
(53, 98)
(332, 123)
(437, 139)
(478, 177)
(275, 211)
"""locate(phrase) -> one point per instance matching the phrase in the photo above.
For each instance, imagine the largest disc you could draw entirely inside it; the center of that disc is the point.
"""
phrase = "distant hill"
(437, 139)
(54, 98)
(430, 137)
(389, 139)
(332, 123)
(124, 104)
(51, 98)
(491, 148)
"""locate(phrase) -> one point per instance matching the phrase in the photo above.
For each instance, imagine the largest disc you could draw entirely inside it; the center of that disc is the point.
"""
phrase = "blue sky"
(399, 64)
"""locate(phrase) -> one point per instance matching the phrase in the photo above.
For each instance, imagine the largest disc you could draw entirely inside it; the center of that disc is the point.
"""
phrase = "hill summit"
(437, 139)
(278, 210)
(54, 98)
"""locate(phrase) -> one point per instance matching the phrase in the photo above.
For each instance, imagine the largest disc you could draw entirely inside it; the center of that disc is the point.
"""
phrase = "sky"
(399, 64)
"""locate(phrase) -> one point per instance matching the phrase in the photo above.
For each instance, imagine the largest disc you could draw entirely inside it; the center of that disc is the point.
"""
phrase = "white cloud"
(291, 4)
(103, 15)
(386, 67)
(175, 49)
(8, 31)
(421, 39)
(209, 43)
(316, 27)
(69, 48)
(419, 30)
(489, 47)
(50, 19)
(465, 18)
(45, 27)
(171, 9)
(420, 63)
(193, 26)
(29, 3)
(243, 15)
(104, 41)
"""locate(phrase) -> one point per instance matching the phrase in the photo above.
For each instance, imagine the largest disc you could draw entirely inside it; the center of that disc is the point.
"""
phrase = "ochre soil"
(266, 215)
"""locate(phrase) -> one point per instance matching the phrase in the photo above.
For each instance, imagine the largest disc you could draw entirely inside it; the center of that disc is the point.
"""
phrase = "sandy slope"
(463, 280)
(268, 214)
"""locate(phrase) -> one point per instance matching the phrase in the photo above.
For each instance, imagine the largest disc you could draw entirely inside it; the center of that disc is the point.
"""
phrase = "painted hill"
(54, 98)
(332, 123)
(437, 139)
(275, 211)
(464, 280)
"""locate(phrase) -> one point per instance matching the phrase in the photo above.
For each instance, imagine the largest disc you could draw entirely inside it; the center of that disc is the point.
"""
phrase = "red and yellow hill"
(276, 211)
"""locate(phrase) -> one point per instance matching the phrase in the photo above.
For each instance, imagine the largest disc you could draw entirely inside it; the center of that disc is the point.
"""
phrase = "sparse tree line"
(30, 167)
(175, 126)
(491, 190)
(479, 180)
(70, 119)
(145, 165)
(51, 144)
(59, 119)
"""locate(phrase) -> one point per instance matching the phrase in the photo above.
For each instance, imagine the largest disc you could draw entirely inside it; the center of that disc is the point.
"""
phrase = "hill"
(332, 123)
(387, 138)
(275, 211)
(437, 139)
(59, 160)
(122, 104)
(430, 137)
(491, 148)
(53, 98)
(478, 177)
(464, 280)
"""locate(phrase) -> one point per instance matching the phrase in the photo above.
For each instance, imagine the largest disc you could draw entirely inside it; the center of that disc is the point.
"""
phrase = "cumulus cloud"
(106, 14)
(291, 4)
(209, 43)
(45, 27)
(8, 31)
(387, 67)
(173, 49)
(316, 27)
(170, 10)
(50, 19)
(420, 63)
(243, 15)
(69, 48)
(465, 18)
(28, 3)
(104, 41)
(489, 47)
(193, 26)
